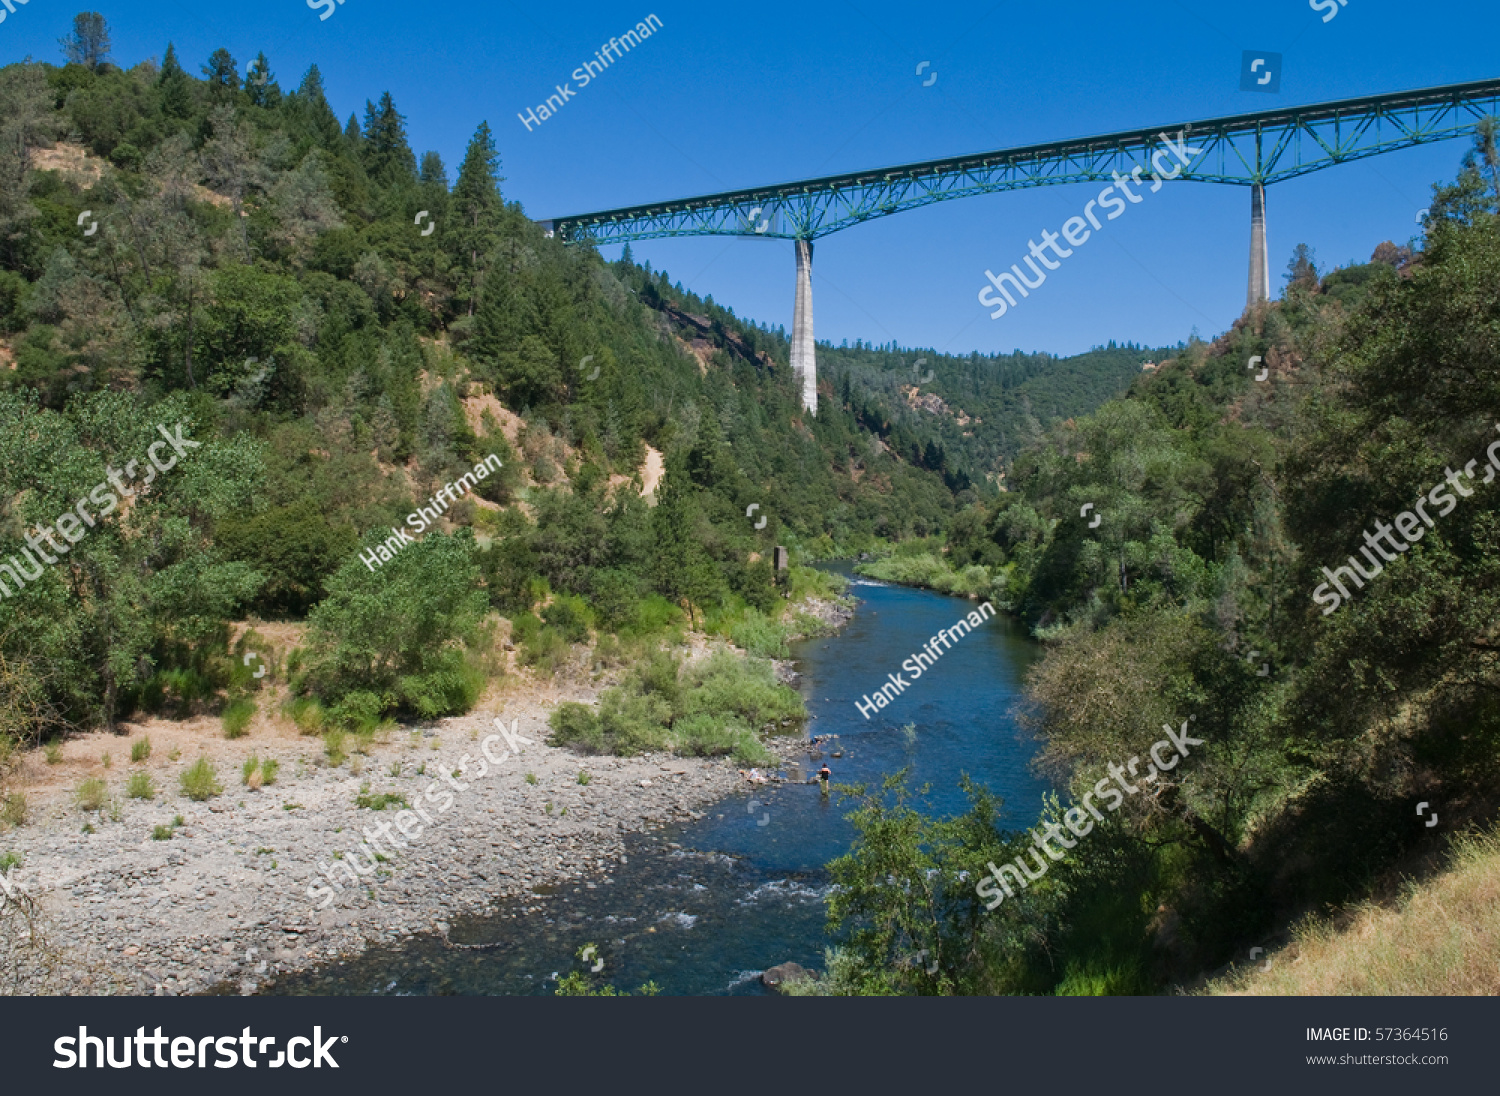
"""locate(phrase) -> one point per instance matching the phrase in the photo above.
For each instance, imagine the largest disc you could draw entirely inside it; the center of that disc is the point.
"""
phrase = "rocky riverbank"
(168, 895)
(223, 902)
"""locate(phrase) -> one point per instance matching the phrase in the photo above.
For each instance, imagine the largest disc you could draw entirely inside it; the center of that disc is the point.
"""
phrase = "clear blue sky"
(727, 96)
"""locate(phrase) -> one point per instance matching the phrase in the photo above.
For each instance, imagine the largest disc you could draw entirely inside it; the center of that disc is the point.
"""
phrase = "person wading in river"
(824, 775)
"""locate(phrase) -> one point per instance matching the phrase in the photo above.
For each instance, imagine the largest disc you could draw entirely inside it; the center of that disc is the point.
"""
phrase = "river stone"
(786, 972)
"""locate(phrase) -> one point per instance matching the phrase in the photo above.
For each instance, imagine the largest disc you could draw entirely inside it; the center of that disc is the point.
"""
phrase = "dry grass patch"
(1442, 939)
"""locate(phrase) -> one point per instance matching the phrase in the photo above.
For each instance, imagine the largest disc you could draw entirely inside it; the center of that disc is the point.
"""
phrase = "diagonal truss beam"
(1241, 150)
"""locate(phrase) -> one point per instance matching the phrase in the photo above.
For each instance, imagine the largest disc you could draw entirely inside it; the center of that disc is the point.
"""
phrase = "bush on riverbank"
(404, 638)
(199, 781)
(709, 708)
(930, 570)
(766, 632)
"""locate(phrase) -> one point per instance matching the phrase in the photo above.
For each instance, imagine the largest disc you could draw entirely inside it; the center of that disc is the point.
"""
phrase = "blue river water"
(703, 908)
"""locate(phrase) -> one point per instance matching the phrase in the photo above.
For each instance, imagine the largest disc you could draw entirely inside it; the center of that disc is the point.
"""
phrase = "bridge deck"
(1244, 149)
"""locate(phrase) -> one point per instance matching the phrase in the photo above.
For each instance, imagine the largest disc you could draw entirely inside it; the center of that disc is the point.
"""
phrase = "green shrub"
(576, 725)
(705, 735)
(759, 635)
(186, 686)
(357, 711)
(745, 687)
(268, 770)
(570, 616)
(404, 634)
(308, 714)
(140, 786)
(237, 716)
(14, 291)
(455, 688)
(200, 781)
(13, 810)
(92, 794)
(654, 614)
(545, 649)
(634, 723)
(53, 751)
(335, 742)
(584, 778)
(608, 651)
(713, 707)
(140, 750)
(162, 833)
(379, 801)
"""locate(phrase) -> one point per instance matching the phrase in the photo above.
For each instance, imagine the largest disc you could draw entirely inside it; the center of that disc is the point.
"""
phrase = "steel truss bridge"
(1252, 150)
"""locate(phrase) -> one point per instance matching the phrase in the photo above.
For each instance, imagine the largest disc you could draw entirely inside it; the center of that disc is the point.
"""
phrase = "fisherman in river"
(824, 775)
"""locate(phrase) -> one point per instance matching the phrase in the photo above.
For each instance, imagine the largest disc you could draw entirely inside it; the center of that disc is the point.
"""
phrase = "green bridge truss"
(1243, 150)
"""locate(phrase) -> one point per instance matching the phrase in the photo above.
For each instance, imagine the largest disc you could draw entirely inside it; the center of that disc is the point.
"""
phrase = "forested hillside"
(336, 331)
(1209, 591)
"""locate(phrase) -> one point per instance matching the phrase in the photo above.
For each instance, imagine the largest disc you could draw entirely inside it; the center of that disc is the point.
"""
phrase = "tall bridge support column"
(1260, 263)
(804, 349)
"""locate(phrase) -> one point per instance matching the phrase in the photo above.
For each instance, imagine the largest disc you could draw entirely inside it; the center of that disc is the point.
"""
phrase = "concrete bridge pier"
(804, 349)
(1260, 263)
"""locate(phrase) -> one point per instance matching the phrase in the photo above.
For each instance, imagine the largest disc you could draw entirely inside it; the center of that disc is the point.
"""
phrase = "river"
(704, 907)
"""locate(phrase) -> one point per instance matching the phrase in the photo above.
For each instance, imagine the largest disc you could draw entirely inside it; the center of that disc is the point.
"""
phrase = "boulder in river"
(785, 972)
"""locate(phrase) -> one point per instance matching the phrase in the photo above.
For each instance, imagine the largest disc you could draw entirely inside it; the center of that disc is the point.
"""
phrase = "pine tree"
(260, 83)
(1301, 270)
(387, 156)
(176, 87)
(88, 45)
(312, 106)
(433, 173)
(682, 571)
(222, 74)
(477, 208)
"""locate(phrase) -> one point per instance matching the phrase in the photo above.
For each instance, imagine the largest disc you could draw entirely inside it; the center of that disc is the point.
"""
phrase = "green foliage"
(302, 375)
(713, 707)
(237, 716)
(378, 801)
(570, 616)
(580, 983)
(760, 635)
(1222, 503)
(308, 714)
(335, 746)
(930, 571)
(91, 794)
(199, 781)
(402, 638)
(905, 907)
(140, 786)
(140, 750)
(541, 646)
(13, 810)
